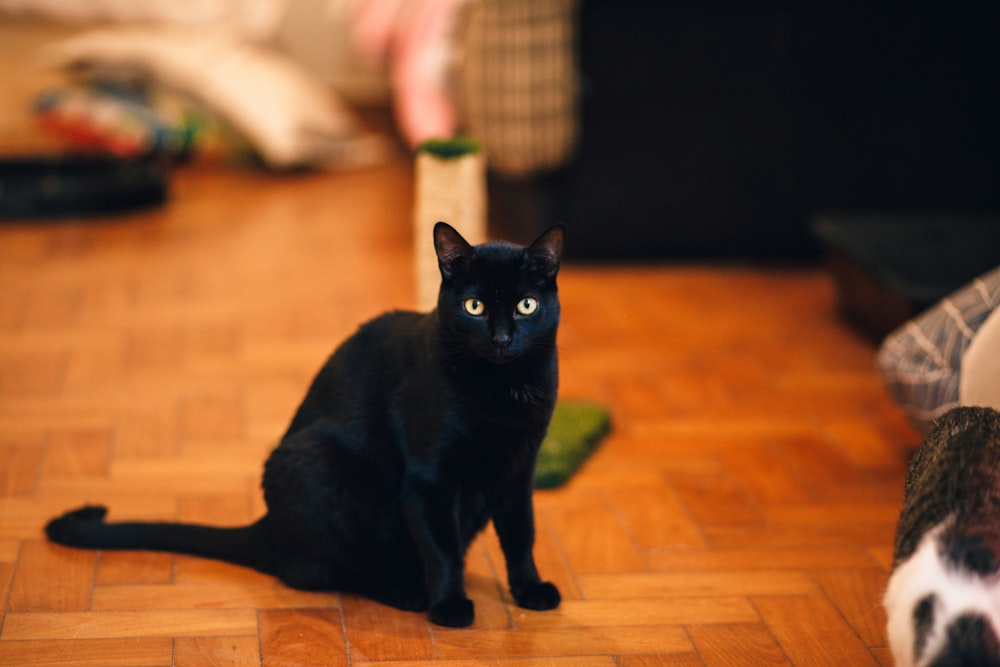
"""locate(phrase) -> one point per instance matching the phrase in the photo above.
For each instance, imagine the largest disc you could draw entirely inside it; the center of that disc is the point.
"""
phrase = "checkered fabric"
(515, 81)
(921, 361)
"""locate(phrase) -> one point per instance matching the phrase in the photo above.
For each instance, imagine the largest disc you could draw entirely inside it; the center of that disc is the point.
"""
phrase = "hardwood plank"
(556, 642)
(143, 432)
(32, 373)
(215, 509)
(735, 645)
(656, 518)
(141, 652)
(194, 570)
(573, 661)
(77, 453)
(213, 341)
(716, 499)
(301, 636)
(863, 443)
(612, 467)
(376, 632)
(810, 630)
(211, 417)
(52, 578)
(883, 555)
(22, 415)
(249, 593)
(820, 464)
(59, 309)
(190, 474)
(150, 490)
(594, 540)
(834, 513)
(661, 660)
(152, 351)
(134, 567)
(9, 549)
(798, 536)
(858, 595)
(765, 475)
(217, 651)
(20, 459)
(884, 656)
(6, 577)
(122, 624)
(781, 558)
(640, 611)
(696, 584)
(96, 366)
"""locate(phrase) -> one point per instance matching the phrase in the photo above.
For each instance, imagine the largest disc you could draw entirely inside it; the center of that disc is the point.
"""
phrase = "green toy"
(575, 430)
(450, 148)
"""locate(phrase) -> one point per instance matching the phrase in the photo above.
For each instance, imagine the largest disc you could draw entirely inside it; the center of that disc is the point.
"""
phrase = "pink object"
(414, 38)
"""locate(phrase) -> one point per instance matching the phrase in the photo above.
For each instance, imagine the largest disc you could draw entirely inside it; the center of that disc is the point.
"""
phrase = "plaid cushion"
(921, 361)
(515, 81)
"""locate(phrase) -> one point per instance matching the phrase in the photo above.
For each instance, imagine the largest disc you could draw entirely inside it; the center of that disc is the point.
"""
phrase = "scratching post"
(451, 187)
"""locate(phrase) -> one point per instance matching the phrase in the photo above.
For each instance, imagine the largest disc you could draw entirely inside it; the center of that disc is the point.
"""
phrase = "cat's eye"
(527, 306)
(474, 307)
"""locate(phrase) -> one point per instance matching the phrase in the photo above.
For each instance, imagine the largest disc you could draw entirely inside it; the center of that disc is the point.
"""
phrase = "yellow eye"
(474, 307)
(527, 306)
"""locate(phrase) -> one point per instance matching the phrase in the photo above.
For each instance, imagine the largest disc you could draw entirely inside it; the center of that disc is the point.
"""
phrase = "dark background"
(723, 132)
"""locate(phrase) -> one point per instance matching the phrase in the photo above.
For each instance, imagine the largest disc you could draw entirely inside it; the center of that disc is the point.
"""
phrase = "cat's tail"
(86, 528)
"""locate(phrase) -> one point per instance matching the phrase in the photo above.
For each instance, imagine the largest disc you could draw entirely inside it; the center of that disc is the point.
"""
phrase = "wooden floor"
(741, 512)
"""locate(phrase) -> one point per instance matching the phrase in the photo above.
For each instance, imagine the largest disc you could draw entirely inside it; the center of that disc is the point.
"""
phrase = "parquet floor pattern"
(741, 512)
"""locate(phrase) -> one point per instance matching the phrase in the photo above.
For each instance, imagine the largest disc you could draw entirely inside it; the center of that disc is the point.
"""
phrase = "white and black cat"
(418, 430)
(943, 598)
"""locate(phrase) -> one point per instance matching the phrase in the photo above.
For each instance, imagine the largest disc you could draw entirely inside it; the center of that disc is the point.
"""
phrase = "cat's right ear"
(454, 253)
(544, 254)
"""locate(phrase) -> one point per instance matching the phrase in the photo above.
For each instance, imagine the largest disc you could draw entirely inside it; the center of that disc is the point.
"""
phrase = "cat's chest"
(526, 394)
(507, 388)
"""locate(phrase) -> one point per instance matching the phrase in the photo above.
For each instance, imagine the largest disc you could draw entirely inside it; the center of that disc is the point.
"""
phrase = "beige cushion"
(980, 380)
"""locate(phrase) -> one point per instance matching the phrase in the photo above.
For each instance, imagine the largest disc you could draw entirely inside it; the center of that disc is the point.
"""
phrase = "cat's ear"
(454, 253)
(544, 254)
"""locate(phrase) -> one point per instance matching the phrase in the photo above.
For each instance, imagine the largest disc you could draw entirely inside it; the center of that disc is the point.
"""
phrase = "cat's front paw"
(540, 596)
(454, 612)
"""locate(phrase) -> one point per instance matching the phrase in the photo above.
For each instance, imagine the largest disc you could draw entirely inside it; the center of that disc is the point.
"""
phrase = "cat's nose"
(502, 340)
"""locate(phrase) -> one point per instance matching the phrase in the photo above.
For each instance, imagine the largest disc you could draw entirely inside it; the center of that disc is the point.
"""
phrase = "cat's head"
(943, 597)
(943, 602)
(499, 300)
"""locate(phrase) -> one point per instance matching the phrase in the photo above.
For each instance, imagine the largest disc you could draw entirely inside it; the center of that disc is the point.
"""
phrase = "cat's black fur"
(418, 430)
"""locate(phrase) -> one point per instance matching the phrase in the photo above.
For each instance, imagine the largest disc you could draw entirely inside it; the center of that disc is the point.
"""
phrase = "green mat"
(575, 430)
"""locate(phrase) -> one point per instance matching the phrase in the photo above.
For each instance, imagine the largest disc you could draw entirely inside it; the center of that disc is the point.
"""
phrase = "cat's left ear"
(544, 254)
(454, 252)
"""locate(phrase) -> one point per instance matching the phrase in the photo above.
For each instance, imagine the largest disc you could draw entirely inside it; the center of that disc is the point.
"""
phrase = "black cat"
(417, 431)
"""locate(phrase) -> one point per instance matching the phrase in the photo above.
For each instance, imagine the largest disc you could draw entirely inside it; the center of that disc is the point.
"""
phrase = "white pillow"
(289, 117)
